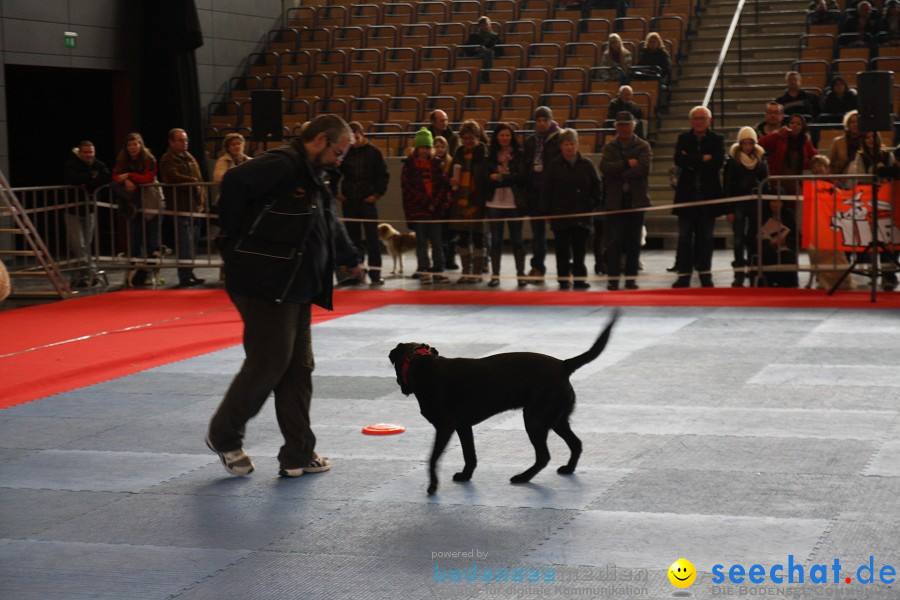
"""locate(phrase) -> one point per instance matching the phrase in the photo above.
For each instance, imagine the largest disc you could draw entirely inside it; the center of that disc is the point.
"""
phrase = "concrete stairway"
(768, 48)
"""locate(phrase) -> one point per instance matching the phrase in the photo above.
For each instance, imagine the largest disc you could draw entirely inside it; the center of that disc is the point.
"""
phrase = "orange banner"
(838, 219)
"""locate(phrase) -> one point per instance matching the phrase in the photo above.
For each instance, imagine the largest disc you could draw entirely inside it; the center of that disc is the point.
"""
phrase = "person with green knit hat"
(425, 189)
(423, 138)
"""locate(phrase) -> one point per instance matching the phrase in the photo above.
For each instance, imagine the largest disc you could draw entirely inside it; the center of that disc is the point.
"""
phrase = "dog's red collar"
(422, 350)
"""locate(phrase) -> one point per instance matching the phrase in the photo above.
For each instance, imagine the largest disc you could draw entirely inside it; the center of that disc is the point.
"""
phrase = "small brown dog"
(397, 243)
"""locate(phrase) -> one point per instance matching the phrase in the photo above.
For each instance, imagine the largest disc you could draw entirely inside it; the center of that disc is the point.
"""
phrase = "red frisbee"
(383, 429)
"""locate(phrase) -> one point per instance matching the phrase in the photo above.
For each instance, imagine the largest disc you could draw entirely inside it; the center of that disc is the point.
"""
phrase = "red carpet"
(57, 347)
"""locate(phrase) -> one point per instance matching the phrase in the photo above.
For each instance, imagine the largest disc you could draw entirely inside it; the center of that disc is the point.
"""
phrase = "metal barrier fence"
(89, 234)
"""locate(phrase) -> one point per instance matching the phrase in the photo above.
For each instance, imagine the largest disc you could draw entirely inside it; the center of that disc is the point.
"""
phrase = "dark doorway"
(51, 109)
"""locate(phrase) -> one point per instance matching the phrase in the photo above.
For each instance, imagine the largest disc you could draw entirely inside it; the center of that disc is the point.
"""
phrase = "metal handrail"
(726, 46)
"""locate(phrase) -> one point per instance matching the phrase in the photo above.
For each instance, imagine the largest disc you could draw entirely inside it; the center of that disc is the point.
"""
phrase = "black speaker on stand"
(266, 112)
(875, 93)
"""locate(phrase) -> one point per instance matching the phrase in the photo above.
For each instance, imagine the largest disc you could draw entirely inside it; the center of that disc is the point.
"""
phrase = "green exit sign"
(70, 39)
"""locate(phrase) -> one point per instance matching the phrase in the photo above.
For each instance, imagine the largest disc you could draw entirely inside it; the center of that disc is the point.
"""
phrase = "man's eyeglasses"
(338, 154)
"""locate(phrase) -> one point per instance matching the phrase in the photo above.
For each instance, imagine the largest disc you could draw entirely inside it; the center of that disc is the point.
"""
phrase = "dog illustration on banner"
(855, 223)
(841, 220)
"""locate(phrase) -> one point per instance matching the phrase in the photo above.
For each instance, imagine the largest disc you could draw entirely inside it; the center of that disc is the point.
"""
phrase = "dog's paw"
(461, 477)
(432, 489)
(565, 470)
(520, 478)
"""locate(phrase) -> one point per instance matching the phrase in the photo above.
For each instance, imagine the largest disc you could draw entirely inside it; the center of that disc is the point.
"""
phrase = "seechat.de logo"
(682, 573)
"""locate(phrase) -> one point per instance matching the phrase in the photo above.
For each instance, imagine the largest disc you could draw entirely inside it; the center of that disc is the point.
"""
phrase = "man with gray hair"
(281, 241)
(699, 154)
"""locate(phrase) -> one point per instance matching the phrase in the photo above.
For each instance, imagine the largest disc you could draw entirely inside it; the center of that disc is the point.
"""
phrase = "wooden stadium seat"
(609, 14)
(558, 31)
(886, 63)
(449, 34)
(846, 68)
(399, 59)
(463, 59)
(312, 86)
(336, 106)
(495, 82)
(816, 73)
(456, 82)
(299, 17)
(448, 104)
(330, 61)
(383, 83)
(826, 54)
(594, 30)
(568, 80)
(297, 110)
(516, 108)
(348, 37)
(367, 109)
(502, 11)
(403, 109)
(264, 63)
(285, 83)
(593, 106)
(631, 27)
(365, 60)
(435, 58)
(642, 12)
(520, 32)
(581, 54)
(545, 55)
(240, 88)
(562, 105)
(598, 82)
(830, 29)
(417, 35)
(348, 85)
(224, 114)
(386, 144)
(844, 52)
(649, 87)
(465, 10)
(331, 16)
(535, 10)
(420, 84)
(364, 15)
(297, 62)
(531, 81)
(382, 37)
(480, 107)
(432, 12)
(509, 56)
(283, 40)
(316, 38)
(398, 13)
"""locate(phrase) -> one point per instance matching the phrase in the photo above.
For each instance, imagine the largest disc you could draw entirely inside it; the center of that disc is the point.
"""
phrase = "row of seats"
(403, 13)
(525, 33)
(570, 90)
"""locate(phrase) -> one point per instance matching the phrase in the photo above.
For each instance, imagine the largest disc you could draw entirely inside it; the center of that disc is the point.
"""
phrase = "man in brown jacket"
(178, 166)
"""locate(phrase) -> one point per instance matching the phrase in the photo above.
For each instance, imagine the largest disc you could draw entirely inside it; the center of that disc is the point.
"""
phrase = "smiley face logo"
(682, 573)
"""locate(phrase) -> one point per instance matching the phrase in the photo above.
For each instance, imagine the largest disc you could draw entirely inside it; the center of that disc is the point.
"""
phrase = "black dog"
(456, 393)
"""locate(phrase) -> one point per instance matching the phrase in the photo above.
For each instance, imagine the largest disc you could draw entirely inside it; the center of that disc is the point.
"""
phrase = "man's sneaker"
(236, 462)
(318, 464)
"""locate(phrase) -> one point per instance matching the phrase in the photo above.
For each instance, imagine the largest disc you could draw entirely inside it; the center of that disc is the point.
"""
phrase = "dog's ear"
(395, 354)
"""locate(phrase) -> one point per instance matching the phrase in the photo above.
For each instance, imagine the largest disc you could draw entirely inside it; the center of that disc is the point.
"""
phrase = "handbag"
(152, 199)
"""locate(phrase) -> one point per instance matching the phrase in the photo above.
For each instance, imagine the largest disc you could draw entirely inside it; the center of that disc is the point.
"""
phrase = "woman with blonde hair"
(616, 57)
(232, 155)
(654, 54)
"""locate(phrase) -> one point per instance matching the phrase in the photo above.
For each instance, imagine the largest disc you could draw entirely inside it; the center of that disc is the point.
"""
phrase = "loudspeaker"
(874, 90)
(266, 109)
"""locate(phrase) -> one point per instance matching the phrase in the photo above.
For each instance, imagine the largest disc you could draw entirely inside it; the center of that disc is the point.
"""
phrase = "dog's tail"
(576, 362)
